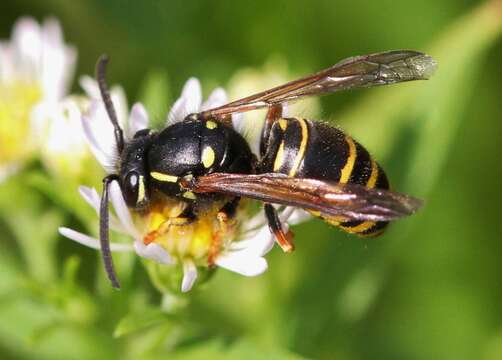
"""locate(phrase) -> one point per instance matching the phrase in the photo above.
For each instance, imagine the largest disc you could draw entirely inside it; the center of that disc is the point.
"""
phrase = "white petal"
(250, 127)
(257, 221)
(97, 111)
(153, 252)
(285, 110)
(138, 119)
(242, 263)
(238, 124)
(298, 216)
(121, 210)
(99, 134)
(189, 102)
(64, 132)
(217, 98)
(119, 100)
(189, 275)
(256, 243)
(91, 196)
(192, 91)
(90, 86)
(57, 61)
(176, 113)
(53, 35)
(27, 42)
(284, 216)
(91, 242)
(6, 63)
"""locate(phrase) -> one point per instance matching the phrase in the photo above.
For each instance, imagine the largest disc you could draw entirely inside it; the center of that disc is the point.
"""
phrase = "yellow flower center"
(199, 240)
(17, 100)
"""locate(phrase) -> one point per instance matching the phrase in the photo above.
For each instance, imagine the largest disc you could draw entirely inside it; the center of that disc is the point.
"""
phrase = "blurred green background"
(430, 288)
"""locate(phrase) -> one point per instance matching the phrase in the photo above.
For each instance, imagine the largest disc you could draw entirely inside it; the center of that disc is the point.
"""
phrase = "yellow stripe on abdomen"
(351, 160)
(366, 225)
(374, 175)
(303, 145)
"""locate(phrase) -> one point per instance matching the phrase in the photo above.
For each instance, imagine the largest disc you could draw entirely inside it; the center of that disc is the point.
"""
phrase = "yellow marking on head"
(141, 189)
(163, 177)
(374, 175)
(301, 150)
(208, 157)
(211, 125)
(279, 157)
(283, 124)
(358, 228)
(351, 160)
(189, 195)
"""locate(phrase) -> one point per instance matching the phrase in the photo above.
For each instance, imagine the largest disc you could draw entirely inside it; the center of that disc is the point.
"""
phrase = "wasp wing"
(356, 72)
(347, 201)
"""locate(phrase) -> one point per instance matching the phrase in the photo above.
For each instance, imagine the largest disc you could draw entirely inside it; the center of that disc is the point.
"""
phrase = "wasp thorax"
(192, 148)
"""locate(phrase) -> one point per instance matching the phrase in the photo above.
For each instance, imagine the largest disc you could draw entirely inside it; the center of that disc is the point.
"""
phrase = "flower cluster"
(37, 114)
(36, 67)
(243, 245)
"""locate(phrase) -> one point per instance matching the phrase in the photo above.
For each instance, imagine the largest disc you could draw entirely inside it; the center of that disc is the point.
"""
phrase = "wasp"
(202, 161)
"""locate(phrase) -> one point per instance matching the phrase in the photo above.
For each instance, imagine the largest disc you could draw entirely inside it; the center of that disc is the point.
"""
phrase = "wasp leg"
(224, 217)
(274, 113)
(285, 240)
(185, 218)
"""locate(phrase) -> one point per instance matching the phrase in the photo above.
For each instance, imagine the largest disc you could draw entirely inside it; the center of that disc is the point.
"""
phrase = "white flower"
(243, 245)
(36, 68)
(65, 152)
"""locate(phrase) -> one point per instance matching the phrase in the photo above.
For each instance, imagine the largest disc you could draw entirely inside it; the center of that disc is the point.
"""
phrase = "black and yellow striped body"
(310, 149)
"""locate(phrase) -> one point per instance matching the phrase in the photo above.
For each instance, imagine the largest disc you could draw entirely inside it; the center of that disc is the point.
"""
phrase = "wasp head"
(133, 173)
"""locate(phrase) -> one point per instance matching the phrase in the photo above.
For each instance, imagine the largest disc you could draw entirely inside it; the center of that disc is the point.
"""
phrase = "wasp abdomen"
(303, 148)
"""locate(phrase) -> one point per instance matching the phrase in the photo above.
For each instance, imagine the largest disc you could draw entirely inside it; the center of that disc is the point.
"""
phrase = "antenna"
(105, 94)
(104, 230)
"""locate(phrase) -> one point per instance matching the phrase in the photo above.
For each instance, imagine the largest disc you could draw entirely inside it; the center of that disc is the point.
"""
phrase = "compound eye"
(130, 188)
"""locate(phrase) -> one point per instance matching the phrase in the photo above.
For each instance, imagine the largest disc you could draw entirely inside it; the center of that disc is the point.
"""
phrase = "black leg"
(275, 226)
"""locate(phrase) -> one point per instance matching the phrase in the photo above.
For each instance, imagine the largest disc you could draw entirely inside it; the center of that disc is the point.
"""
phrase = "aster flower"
(36, 67)
(243, 244)
(65, 152)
